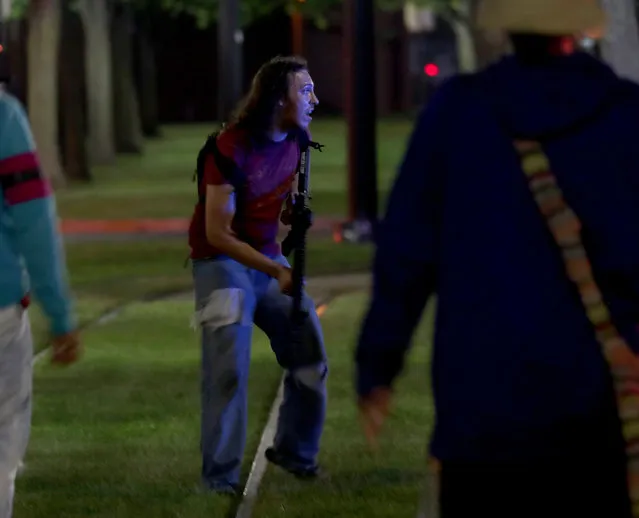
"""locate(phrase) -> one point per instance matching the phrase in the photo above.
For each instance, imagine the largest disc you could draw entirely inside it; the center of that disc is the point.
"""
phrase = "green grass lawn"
(117, 435)
(360, 484)
(105, 275)
(158, 183)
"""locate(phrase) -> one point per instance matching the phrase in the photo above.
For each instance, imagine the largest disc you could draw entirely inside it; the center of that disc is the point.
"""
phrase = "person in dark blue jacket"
(526, 421)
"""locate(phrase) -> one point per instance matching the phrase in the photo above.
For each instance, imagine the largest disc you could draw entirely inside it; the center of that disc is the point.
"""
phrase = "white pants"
(16, 355)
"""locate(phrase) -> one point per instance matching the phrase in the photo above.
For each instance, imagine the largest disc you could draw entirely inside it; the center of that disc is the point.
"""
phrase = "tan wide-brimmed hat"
(551, 17)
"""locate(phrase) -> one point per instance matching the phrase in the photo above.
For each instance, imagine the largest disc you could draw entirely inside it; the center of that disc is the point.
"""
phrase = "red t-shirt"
(270, 169)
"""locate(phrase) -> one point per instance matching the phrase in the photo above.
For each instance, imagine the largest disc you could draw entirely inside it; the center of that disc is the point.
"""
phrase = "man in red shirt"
(241, 277)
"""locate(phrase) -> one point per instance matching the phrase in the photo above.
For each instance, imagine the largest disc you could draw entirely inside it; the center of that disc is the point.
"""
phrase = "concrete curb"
(327, 288)
(335, 284)
(258, 468)
(428, 501)
(111, 314)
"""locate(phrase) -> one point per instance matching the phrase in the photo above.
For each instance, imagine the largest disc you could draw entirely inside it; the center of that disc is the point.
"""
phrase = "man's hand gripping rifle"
(303, 352)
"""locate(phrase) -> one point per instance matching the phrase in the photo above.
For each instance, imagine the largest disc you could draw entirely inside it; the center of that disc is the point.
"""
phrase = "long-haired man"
(241, 277)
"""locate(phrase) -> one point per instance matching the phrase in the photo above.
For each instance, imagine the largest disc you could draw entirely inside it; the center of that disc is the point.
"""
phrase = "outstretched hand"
(373, 411)
(66, 349)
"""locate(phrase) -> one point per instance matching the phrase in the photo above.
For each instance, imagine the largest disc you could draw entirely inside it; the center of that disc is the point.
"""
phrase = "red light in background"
(1, 48)
(567, 45)
(431, 70)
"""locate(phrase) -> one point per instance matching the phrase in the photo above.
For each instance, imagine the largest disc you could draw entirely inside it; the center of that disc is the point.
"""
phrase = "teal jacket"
(31, 251)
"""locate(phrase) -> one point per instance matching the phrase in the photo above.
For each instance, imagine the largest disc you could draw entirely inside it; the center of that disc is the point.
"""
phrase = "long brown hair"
(270, 85)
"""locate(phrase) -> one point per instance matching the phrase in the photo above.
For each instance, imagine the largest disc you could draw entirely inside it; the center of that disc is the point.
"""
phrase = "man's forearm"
(245, 254)
(399, 296)
(41, 247)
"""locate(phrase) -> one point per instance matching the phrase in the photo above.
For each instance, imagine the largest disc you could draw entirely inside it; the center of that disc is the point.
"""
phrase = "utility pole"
(297, 30)
(12, 53)
(230, 40)
(360, 108)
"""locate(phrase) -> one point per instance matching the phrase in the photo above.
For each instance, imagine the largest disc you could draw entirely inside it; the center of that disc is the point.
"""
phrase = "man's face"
(301, 99)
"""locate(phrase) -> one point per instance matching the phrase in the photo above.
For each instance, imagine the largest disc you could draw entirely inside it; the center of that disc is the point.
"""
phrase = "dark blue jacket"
(516, 372)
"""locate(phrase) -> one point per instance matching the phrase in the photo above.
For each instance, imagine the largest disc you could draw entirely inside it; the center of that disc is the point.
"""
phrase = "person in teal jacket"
(31, 261)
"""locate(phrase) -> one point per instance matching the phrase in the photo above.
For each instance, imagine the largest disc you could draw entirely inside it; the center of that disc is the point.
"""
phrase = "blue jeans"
(230, 298)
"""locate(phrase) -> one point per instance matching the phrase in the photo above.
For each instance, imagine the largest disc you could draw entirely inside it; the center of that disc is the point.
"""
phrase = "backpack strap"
(304, 141)
(230, 170)
(227, 167)
(565, 227)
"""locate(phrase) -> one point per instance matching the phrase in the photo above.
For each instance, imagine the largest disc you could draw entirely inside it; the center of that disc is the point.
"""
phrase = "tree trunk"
(147, 82)
(229, 51)
(42, 50)
(128, 127)
(466, 47)
(16, 49)
(475, 48)
(13, 55)
(5, 8)
(72, 97)
(621, 42)
(99, 81)
(466, 51)
(489, 45)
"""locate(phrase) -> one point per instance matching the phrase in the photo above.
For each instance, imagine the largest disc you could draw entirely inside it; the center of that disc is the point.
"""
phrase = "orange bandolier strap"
(565, 227)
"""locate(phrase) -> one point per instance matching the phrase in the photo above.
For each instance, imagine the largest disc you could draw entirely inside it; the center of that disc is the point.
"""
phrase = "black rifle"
(303, 351)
